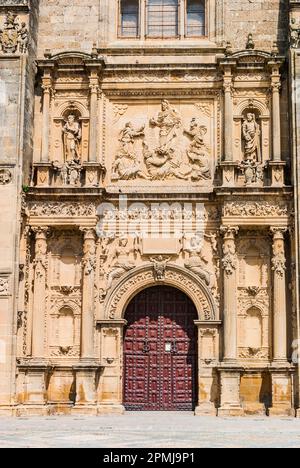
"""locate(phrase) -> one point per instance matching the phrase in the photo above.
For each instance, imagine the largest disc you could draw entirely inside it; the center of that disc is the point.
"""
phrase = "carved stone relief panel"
(166, 142)
(14, 35)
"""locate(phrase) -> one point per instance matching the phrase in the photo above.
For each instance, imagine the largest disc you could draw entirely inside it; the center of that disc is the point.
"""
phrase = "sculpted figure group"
(165, 161)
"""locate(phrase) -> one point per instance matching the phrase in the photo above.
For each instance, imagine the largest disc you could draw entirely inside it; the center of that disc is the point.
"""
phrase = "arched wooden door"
(160, 352)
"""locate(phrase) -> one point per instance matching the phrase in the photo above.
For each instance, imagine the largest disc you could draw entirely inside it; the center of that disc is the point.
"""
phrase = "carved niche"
(254, 298)
(252, 139)
(70, 137)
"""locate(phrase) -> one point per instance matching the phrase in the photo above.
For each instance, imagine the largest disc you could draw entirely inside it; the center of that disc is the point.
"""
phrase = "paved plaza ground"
(145, 430)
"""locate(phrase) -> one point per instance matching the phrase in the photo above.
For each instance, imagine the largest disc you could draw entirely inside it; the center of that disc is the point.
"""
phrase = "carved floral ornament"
(175, 276)
(5, 176)
(14, 35)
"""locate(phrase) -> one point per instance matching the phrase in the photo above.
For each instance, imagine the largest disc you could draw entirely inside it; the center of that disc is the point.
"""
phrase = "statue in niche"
(120, 261)
(252, 166)
(72, 139)
(70, 170)
(251, 137)
(198, 152)
(197, 262)
(126, 165)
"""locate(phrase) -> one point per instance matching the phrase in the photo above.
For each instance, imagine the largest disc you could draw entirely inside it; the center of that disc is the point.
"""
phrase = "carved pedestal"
(93, 174)
(276, 173)
(35, 388)
(86, 378)
(229, 173)
(110, 399)
(208, 339)
(281, 393)
(230, 404)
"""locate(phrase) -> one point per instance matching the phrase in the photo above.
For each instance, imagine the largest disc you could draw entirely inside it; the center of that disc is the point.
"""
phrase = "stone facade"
(134, 162)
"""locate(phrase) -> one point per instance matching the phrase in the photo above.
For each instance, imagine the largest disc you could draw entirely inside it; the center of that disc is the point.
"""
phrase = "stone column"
(46, 86)
(230, 374)
(36, 366)
(229, 264)
(279, 296)
(39, 294)
(94, 89)
(88, 293)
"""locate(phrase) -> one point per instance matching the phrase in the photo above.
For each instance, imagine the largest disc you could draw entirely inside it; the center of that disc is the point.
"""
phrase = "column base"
(206, 409)
(297, 413)
(84, 410)
(278, 411)
(255, 409)
(32, 411)
(230, 411)
(7, 411)
(111, 409)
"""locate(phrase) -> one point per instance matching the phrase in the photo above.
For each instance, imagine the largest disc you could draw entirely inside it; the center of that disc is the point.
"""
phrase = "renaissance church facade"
(149, 180)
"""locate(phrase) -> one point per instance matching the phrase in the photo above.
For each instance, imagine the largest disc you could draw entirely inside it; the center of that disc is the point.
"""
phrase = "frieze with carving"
(62, 209)
(260, 209)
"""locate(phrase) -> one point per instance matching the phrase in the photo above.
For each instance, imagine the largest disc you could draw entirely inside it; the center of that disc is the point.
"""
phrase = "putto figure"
(72, 139)
(251, 136)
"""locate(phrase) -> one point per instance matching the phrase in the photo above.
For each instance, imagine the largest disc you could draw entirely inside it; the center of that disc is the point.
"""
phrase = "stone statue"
(72, 138)
(126, 165)
(122, 264)
(162, 165)
(168, 121)
(294, 34)
(197, 262)
(23, 38)
(198, 152)
(251, 137)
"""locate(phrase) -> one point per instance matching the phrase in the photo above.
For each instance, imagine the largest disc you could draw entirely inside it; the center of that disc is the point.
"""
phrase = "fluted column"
(88, 299)
(229, 264)
(279, 298)
(228, 111)
(46, 86)
(39, 293)
(94, 89)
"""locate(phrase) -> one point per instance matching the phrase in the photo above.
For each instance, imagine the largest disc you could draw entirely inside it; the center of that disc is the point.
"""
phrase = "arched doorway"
(160, 352)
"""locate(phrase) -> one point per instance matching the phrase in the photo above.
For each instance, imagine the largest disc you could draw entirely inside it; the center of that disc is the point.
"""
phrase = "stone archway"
(175, 276)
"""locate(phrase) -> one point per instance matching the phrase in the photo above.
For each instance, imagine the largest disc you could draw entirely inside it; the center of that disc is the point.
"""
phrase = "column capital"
(229, 232)
(88, 233)
(278, 232)
(41, 232)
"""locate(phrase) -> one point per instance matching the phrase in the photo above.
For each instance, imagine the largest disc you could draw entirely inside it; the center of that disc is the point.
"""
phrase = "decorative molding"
(61, 209)
(178, 277)
(260, 209)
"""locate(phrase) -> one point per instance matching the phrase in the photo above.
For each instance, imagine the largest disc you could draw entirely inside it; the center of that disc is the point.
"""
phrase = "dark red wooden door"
(160, 352)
